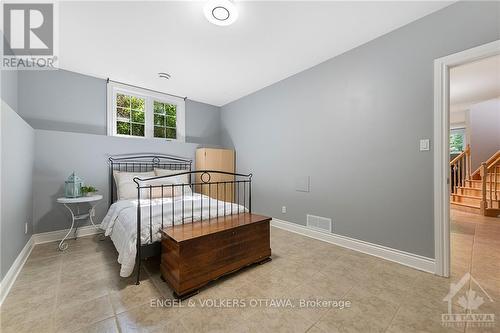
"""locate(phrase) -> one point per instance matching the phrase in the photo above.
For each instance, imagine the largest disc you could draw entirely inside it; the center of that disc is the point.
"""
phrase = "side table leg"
(91, 214)
(63, 245)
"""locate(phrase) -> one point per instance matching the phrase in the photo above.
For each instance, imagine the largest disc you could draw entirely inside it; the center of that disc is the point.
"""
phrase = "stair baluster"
(468, 162)
(483, 173)
(460, 168)
(496, 183)
(490, 178)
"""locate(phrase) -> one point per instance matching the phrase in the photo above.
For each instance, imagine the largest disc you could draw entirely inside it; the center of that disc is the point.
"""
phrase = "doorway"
(447, 180)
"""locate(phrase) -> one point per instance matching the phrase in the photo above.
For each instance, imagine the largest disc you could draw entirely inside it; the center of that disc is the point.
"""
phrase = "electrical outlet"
(26, 228)
(283, 209)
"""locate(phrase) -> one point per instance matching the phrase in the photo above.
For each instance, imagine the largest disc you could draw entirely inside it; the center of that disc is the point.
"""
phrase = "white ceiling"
(133, 41)
(474, 82)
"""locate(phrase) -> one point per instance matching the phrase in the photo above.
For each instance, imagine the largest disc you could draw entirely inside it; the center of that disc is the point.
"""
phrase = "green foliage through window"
(130, 114)
(165, 120)
(123, 128)
(457, 140)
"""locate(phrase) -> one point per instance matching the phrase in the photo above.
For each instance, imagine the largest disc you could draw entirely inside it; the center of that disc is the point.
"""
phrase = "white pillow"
(167, 191)
(125, 186)
(182, 179)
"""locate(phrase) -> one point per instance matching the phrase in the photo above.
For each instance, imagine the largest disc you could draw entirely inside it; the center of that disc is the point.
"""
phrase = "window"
(130, 115)
(165, 120)
(135, 112)
(457, 140)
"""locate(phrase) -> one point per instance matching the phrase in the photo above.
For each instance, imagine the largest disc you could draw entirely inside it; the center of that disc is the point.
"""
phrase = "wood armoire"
(220, 160)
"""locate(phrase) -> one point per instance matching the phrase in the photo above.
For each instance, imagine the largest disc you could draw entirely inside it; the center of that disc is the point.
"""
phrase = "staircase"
(475, 192)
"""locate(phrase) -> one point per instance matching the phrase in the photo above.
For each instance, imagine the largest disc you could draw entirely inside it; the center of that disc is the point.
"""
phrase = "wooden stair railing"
(477, 173)
(461, 170)
(479, 191)
(489, 181)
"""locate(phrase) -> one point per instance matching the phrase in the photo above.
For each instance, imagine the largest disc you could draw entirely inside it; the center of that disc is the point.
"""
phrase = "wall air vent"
(319, 223)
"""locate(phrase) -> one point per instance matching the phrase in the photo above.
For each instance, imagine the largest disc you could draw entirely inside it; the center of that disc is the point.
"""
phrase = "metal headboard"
(144, 163)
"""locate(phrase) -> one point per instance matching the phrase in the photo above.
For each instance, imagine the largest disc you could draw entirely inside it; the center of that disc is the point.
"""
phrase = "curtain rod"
(155, 91)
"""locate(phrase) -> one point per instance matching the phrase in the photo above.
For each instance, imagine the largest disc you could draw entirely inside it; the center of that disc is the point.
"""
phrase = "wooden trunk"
(194, 254)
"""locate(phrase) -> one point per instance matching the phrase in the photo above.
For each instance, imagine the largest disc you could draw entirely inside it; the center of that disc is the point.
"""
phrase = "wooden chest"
(194, 254)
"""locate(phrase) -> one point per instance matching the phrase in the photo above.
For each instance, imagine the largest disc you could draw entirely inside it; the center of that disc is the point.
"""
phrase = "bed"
(164, 194)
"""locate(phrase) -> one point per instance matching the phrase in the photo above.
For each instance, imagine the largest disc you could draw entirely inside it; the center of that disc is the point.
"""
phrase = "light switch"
(425, 145)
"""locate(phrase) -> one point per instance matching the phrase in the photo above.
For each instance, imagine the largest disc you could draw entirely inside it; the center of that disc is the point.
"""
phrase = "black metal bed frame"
(148, 162)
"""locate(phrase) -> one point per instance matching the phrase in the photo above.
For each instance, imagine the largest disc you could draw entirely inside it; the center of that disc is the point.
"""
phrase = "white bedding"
(120, 221)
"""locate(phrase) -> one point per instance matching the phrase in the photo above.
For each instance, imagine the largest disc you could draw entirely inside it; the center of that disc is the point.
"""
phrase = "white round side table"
(76, 216)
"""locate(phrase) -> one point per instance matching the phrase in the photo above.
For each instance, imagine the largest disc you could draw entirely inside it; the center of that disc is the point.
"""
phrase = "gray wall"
(57, 154)
(63, 101)
(9, 88)
(202, 123)
(16, 184)
(68, 111)
(66, 101)
(353, 124)
(484, 131)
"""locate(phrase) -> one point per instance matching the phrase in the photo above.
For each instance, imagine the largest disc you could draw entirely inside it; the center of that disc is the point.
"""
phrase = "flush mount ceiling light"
(220, 12)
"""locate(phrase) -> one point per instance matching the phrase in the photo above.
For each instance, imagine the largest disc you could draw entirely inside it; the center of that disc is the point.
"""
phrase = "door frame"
(441, 142)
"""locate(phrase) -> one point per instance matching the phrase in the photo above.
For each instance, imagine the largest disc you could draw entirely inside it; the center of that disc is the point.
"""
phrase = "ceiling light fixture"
(220, 12)
(164, 75)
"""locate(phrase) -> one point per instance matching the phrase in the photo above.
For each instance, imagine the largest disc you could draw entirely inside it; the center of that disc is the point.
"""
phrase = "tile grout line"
(470, 265)
(392, 319)
(326, 312)
(59, 278)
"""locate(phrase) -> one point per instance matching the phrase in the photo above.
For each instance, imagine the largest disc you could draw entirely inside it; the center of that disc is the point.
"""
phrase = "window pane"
(138, 117)
(137, 103)
(170, 109)
(123, 114)
(123, 101)
(457, 140)
(171, 121)
(456, 143)
(159, 120)
(159, 132)
(158, 107)
(122, 128)
(171, 133)
(137, 130)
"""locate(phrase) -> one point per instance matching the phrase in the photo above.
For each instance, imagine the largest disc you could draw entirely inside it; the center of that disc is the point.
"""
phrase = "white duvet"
(120, 221)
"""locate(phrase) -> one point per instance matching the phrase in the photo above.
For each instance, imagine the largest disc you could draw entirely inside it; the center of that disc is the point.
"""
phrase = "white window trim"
(113, 88)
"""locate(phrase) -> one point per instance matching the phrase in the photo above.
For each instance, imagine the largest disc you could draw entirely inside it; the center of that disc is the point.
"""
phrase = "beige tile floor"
(80, 290)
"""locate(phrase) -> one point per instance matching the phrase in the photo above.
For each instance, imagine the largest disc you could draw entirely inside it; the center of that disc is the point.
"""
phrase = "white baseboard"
(52, 236)
(35, 239)
(401, 257)
(11, 276)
